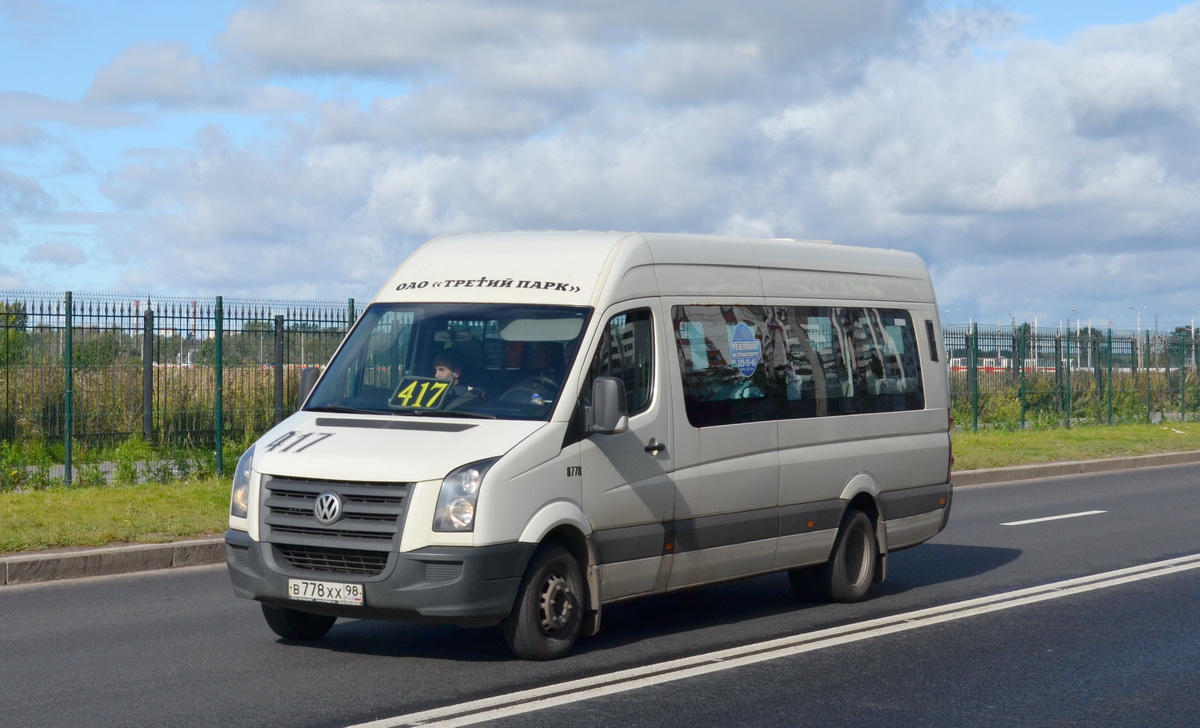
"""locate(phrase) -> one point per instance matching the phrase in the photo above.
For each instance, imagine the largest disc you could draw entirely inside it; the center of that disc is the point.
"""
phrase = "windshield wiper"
(444, 413)
(346, 410)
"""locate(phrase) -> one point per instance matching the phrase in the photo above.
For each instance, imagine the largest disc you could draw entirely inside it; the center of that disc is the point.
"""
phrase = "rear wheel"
(848, 574)
(545, 620)
(293, 625)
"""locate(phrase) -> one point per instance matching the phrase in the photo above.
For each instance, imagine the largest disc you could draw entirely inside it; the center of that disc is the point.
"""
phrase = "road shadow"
(678, 613)
(413, 640)
(936, 563)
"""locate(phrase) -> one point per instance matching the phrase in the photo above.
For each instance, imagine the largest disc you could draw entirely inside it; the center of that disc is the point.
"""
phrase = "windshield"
(500, 361)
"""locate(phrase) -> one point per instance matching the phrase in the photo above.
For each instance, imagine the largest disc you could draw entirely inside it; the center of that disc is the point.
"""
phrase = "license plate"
(325, 591)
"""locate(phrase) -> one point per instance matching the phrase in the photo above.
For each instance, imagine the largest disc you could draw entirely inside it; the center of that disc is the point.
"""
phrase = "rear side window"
(748, 363)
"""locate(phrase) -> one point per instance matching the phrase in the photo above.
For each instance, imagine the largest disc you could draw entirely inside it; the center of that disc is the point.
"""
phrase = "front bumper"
(470, 586)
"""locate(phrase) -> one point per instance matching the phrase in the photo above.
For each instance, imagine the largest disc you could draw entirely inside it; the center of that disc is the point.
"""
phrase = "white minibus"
(523, 428)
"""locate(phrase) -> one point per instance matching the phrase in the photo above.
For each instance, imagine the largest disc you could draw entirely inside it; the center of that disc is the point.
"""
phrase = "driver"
(448, 365)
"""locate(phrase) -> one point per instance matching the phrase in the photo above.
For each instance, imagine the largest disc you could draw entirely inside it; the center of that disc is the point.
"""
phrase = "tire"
(299, 626)
(546, 617)
(850, 571)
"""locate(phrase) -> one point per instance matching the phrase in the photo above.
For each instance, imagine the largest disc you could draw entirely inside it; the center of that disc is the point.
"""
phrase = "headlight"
(239, 499)
(458, 497)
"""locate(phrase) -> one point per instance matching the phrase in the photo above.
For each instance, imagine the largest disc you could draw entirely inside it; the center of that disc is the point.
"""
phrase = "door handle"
(655, 447)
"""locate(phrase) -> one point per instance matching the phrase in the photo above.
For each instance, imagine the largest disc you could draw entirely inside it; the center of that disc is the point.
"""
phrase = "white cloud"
(31, 107)
(166, 72)
(169, 75)
(31, 22)
(20, 195)
(18, 135)
(58, 254)
(1025, 172)
(409, 37)
(10, 280)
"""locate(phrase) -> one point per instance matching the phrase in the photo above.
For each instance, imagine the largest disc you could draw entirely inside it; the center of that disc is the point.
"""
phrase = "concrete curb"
(79, 563)
(1075, 467)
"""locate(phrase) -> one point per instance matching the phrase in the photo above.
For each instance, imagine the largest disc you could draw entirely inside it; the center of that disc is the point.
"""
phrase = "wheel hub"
(556, 606)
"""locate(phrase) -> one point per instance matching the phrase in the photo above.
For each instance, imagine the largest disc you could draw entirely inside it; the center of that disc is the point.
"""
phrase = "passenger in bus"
(546, 360)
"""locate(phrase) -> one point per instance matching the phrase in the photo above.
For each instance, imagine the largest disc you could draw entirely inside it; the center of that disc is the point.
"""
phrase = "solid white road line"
(1053, 518)
(550, 696)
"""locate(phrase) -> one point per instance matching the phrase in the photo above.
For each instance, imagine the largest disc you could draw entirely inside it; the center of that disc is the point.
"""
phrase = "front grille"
(359, 542)
(338, 561)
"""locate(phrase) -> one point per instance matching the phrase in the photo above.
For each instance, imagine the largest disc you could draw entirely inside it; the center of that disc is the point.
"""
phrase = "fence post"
(68, 392)
(973, 376)
(1110, 379)
(353, 316)
(1149, 403)
(148, 376)
(219, 316)
(1195, 368)
(1182, 381)
(1067, 388)
(1058, 372)
(1023, 344)
(278, 368)
(1183, 373)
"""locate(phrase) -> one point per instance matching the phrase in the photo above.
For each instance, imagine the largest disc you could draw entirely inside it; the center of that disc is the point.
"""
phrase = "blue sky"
(1041, 156)
(1057, 20)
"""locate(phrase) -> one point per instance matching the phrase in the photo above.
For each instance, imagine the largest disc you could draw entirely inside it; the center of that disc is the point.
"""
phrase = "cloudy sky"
(1042, 156)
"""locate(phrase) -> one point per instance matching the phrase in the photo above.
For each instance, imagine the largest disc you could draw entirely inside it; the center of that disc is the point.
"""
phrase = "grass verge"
(106, 515)
(999, 448)
(157, 513)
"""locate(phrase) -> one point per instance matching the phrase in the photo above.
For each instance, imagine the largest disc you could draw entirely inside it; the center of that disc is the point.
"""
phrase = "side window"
(723, 354)
(847, 361)
(817, 379)
(626, 352)
(892, 369)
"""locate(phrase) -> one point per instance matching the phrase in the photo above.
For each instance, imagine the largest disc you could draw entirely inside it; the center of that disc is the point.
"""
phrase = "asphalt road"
(176, 648)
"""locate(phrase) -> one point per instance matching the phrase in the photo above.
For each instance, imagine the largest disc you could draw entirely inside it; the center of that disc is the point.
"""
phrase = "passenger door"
(726, 519)
(627, 489)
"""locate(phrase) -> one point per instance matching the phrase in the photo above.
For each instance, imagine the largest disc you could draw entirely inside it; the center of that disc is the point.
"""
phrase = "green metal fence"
(93, 371)
(1020, 377)
(96, 370)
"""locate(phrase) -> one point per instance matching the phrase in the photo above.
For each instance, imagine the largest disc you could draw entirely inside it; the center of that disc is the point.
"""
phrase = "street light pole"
(1138, 337)
(1077, 357)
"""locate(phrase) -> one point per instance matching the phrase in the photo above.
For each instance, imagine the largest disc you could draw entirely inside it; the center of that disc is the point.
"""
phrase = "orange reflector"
(669, 546)
(811, 524)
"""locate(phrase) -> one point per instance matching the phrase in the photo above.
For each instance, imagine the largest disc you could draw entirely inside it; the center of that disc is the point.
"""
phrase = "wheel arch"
(862, 493)
(563, 524)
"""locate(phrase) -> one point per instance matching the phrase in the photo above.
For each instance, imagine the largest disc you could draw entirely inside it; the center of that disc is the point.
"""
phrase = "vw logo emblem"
(328, 509)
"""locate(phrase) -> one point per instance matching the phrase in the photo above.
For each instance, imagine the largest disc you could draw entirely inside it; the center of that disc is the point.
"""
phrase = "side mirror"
(607, 414)
(308, 380)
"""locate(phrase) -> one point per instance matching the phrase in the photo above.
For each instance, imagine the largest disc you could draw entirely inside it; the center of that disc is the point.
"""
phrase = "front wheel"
(848, 574)
(545, 620)
(294, 625)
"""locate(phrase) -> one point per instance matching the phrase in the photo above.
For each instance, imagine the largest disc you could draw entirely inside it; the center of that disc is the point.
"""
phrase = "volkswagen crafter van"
(621, 415)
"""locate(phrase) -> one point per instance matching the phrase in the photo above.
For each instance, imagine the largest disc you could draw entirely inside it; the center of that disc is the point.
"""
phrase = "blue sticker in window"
(744, 350)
